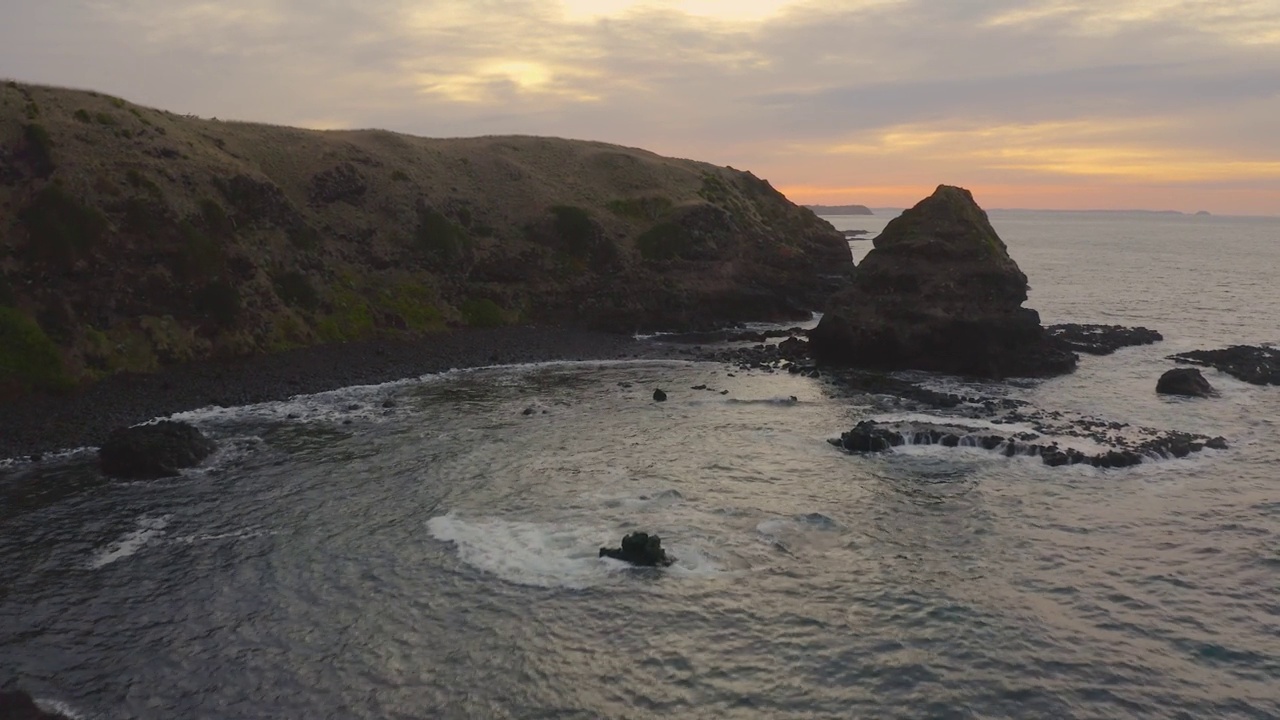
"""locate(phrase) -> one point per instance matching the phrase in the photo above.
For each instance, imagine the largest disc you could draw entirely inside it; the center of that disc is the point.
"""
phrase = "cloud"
(806, 92)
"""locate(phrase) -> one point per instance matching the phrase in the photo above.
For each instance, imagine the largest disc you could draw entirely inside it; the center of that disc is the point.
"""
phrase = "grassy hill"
(132, 238)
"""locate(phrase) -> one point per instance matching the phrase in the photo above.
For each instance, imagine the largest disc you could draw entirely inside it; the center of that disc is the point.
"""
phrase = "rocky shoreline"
(46, 423)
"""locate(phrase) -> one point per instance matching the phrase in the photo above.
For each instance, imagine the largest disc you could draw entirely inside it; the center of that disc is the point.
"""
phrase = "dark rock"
(19, 705)
(529, 411)
(659, 395)
(1101, 339)
(1218, 443)
(640, 549)
(939, 292)
(1256, 365)
(1184, 381)
(388, 403)
(867, 436)
(146, 452)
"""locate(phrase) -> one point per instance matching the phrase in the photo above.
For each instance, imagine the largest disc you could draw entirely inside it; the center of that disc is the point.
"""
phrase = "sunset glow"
(1048, 103)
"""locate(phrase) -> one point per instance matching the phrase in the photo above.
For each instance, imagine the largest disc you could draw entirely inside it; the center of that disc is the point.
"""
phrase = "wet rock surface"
(147, 452)
(640, 549)
(870, 436)
(1252, 364)
(19, 705)
(939, 292)
(1184, 381)
(1110, 444)
(1100, 339)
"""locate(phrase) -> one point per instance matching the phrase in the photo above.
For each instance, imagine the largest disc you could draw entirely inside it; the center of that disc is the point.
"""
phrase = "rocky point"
(939, 292)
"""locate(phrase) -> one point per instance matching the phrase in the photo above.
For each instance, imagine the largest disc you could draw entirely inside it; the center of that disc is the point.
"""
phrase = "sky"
(1065, 104)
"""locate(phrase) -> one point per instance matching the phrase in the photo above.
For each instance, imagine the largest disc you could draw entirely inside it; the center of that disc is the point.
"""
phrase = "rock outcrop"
(1188, 382)
(1256, 365)
(133, 238)
(19, 705)
(939, 292)
(869, 436)
(1101, 339)
(640, 549)
(157, 450)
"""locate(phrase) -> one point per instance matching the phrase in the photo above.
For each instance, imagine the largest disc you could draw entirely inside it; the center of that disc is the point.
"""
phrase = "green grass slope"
(132, 238)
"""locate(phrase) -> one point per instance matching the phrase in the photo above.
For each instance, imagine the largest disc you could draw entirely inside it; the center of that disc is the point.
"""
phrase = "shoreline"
(46, 423)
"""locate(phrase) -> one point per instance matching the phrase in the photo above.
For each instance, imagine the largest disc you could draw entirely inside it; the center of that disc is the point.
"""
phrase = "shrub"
(303, 236)
(32, 110)
(218, 302)
(351, 318)
(6, 292)
(483, 312)
(199, 256)
(116, 102)
(39, 148)
(399, 176)
(105, 119)
(641, 208)
(135, 178)
(663, 241)
(82, 115)
(439, 237)
(295, 289)
(215, 218)
(576, 230)
(413, 304)
(60, 227)
(28, 358)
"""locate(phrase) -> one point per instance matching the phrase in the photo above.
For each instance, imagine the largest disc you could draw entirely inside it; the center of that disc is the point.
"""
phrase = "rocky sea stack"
(939, 292)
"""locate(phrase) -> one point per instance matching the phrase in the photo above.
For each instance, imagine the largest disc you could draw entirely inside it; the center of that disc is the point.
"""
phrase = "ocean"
(438, 558)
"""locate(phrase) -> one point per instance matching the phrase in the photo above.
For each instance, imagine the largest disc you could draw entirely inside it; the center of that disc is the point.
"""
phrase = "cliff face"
(132, 238)
(939, 292)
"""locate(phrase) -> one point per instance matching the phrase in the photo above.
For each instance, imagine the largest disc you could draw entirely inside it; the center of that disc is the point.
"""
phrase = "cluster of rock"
(869, 436)
(640, 549)
(1255, 365)
(939, 292)
(1100, 339)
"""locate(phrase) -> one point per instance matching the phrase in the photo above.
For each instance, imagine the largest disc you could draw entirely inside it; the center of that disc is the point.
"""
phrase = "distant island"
(1204, 213)
(840, 209)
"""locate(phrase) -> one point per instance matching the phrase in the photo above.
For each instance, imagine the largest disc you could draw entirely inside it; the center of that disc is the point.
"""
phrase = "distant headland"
(840, 209)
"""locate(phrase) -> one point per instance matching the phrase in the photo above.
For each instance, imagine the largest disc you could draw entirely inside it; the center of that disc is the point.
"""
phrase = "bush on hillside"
(483, 312)
(59, 227)
(28, 358)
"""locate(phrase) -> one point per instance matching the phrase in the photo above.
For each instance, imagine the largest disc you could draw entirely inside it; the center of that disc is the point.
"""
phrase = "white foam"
(6, 463)
(148, 529)
(547, 554)
(57, 707)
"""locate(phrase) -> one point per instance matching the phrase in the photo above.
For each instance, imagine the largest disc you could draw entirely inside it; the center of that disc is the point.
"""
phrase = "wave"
(148, 529)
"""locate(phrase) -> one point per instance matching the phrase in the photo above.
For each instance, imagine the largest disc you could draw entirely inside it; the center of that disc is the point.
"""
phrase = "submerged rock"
(1101, 339)
(1256, 365)
(640, 549)
(19, 705)
(1184, 381)
(147, 452)
(939, 292)
(659, 395)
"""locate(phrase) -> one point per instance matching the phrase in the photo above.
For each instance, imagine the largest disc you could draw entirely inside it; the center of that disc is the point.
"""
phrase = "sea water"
(439, 558)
